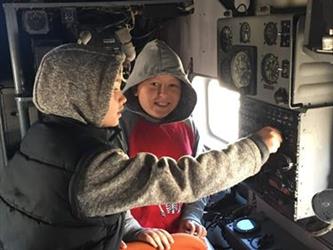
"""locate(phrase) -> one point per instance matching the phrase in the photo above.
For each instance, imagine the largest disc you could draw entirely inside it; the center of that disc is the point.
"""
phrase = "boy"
(160, 101)
(69, 183)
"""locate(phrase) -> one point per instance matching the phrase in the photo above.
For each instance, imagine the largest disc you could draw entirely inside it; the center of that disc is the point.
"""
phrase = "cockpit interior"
(253, 63)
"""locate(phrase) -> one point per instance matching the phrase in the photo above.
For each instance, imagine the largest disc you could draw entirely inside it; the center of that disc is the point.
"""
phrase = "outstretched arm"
(114, 183)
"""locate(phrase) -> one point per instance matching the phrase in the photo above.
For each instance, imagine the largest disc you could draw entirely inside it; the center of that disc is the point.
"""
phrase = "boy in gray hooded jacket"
(160, 99)
(68, 185)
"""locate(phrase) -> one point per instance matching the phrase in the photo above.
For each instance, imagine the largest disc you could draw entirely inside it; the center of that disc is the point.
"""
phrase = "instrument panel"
(284, 86)
(302, 165)
(272, 47)
(260, 45)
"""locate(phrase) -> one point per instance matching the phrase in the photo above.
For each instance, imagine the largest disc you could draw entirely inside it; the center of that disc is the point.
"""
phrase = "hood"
(158, 58)
(75, 81)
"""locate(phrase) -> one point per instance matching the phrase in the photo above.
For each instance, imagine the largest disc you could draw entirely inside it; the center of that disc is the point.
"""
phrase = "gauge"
(242, 6)
(35, 22)
(226, 38)
(245, 32)
(270, 68)
(270, 33)
(245, 225)
(241, 69)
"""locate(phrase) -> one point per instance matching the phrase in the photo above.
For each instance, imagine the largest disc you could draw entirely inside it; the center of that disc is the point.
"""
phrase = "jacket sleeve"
(197, 146)
(194, 211)
(112, 183)
(131, 227)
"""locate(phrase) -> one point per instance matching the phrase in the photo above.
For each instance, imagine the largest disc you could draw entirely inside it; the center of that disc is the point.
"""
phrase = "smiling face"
(159, 96)
(116, 104)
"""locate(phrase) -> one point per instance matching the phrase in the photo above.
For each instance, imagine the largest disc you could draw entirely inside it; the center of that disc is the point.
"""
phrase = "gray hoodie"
(158, 58)
(75, 81)
(155, 59)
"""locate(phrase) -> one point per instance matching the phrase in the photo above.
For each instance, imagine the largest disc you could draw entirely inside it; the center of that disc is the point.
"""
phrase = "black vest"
(37, 191)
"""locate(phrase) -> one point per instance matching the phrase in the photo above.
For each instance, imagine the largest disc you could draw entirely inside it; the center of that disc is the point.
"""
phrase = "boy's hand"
(271, 137)
(158, 238)
(193, 228)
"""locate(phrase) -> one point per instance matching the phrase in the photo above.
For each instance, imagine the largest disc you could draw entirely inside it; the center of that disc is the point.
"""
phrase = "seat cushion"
(182, 242)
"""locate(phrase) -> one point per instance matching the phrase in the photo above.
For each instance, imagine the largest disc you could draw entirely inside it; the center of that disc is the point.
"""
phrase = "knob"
(285, 163)
(281, 96)
(280, 162)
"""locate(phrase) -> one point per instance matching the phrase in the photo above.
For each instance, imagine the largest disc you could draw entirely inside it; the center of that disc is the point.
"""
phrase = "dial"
(226, 38)
(241, 69)
(281, 96)
(242, 6)
(245, 32)
(270, 33)
(35, 21)
(270, 68)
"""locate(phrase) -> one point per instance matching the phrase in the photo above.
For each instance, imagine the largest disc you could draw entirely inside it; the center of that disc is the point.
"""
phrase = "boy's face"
(116, 104)
(159, 96)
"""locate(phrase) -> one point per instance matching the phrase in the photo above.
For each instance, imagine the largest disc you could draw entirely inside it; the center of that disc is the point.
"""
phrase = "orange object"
(182, 242)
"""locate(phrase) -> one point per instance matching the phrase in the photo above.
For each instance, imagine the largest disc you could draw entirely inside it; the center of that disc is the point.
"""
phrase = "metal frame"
(10, 10)
(3, 153)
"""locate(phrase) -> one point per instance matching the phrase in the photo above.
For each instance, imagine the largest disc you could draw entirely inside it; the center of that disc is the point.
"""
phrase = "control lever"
(279, 161)
(284, 163)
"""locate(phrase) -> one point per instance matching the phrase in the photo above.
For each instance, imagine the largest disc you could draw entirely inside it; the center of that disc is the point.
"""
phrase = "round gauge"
(36, 20)
(270, 33)
(226, 38)
(245, 32)
(270, 68)
(241, 6)
(241, 69)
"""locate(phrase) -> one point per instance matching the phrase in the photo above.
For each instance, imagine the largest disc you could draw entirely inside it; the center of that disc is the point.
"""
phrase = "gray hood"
(75, 81)
(158, 58)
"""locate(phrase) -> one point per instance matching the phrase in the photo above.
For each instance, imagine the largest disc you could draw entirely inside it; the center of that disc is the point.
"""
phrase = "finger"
(168, 236)
(149, 239)
(163, 236)
(158, 240)
(191, 228)
(277, 134)
(198, 230)
(202, 232)
(123, 245)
